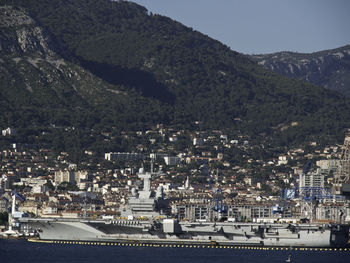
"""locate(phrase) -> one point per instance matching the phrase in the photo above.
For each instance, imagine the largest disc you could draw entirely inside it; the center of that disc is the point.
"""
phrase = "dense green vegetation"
(171, 74)
(3, 218)
(68, 186)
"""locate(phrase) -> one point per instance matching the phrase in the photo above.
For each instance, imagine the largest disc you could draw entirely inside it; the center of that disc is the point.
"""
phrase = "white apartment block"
(125, 156)
(328, 165)
(172, 160)
(312, 179)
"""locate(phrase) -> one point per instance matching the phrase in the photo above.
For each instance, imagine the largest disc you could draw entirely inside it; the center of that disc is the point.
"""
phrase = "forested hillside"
(41, 84)
(170, 74)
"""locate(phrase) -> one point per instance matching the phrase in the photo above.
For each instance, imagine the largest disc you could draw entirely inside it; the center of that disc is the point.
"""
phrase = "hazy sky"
(263, 26)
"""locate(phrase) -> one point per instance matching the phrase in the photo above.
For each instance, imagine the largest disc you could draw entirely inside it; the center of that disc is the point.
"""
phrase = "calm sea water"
(24, 251)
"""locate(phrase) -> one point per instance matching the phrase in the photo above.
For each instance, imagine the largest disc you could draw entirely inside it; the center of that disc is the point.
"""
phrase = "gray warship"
(144, 223)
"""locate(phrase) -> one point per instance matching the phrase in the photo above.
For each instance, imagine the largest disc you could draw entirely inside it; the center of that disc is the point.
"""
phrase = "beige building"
(64, 176)
(72, 176)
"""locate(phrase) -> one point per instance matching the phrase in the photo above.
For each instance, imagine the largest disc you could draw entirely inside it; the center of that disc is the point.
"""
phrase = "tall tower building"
(342, 176)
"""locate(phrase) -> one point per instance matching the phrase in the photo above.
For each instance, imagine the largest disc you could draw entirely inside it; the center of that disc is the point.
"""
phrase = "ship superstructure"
(145, 203)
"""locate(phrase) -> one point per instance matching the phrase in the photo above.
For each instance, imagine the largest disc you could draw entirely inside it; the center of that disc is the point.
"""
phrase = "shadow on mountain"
(141, 81)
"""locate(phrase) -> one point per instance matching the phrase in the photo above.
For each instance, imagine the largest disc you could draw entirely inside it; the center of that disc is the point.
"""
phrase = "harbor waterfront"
(127, 136)
(155, 229)
(14, 250)
(147, 217)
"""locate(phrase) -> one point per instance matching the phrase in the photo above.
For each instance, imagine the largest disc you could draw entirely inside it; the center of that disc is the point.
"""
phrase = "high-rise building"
(312, 179)
(342, 176)
(64, 176)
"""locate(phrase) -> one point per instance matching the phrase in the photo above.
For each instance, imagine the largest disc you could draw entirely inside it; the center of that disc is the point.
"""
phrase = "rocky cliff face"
(330, 68)
(30, 65)
(20, 34)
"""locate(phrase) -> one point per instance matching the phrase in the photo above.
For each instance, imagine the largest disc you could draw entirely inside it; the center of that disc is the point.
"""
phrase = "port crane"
(217, 192)
(219, 206)
(308, 194)
(287, 194)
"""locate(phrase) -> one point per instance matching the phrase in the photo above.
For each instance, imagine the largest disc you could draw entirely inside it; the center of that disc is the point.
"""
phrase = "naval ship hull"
(173, 232)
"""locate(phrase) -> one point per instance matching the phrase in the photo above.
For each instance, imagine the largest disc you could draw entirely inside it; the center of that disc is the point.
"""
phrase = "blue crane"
(289, 193)
(307, 193)
(219, 206)
(306, 168)
(18, 195)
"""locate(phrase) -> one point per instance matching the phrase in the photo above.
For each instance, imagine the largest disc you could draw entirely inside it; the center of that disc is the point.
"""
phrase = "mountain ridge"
(175, 75)
(327, 68)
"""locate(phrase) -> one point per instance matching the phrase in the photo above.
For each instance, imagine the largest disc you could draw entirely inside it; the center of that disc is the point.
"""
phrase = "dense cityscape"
(130, 132)
(205, 175)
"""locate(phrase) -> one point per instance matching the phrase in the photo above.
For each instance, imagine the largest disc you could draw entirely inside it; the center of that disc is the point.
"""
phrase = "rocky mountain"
(329, 68)
(103, 64)
(38, 85)
(32, 72)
